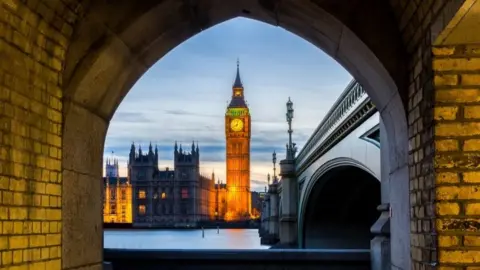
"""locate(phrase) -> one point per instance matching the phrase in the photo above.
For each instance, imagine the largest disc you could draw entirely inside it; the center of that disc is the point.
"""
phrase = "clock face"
(236, 124)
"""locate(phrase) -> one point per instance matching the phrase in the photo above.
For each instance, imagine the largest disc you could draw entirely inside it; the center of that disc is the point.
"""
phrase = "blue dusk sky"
(183, 97)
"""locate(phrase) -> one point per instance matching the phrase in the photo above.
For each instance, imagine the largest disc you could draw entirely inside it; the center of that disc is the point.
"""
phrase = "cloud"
(180, 112)
(258, 182)
(131, 117)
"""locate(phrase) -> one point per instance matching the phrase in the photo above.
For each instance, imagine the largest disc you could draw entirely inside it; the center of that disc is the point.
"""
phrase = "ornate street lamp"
(291, 149)
(274, 160)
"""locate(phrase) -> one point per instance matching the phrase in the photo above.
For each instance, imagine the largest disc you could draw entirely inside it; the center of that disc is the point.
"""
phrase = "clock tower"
(237, 133)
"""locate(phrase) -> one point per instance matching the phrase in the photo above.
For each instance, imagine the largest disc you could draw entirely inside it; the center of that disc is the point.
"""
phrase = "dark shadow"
(341, 209)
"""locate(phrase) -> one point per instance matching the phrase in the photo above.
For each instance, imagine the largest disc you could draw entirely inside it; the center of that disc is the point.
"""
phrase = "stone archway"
(340, 208)
(102, 68)
(65, 66)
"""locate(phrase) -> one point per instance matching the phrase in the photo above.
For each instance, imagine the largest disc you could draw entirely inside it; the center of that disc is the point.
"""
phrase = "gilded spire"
(238, 81)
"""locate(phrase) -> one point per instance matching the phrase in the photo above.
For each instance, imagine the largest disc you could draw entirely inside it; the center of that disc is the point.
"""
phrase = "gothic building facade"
(117, 195)
(181, 197)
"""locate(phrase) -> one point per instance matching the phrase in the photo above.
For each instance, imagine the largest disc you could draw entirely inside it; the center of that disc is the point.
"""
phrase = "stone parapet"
(285, 259)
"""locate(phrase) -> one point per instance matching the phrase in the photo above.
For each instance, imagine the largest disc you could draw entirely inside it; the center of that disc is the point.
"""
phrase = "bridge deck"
(285, 259)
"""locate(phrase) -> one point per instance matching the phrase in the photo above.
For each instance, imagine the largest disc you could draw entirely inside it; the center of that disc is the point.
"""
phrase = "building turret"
(131, 156)
(197, 155)
(111, 168)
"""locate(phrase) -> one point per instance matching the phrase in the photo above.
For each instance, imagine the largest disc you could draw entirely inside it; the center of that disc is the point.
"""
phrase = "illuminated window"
(141, 209)
(238, 93)
(184, 193)
(164, 195)
(141, 194)
(155, 196)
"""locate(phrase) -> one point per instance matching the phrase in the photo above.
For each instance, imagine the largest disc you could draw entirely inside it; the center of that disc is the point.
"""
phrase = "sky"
(184, 96)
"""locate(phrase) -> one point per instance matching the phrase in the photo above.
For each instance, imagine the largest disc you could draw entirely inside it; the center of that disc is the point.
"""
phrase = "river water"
(182, 239)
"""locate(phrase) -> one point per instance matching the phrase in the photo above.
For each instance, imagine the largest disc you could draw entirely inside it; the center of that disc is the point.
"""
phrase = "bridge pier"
(380, 244)
(380, 249)
(273, 229)
(264, 231)
(288, 217)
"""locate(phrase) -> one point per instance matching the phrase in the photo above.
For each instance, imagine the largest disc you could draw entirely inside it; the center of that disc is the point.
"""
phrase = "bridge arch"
(339, 206)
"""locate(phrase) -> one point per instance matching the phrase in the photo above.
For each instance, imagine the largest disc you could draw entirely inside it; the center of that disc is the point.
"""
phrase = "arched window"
(164, 195)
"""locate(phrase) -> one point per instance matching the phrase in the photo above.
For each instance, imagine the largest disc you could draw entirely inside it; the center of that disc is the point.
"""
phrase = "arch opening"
(108, 54)
(340, 210)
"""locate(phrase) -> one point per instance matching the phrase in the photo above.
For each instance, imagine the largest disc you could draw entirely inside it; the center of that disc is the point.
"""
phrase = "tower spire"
(238, 81)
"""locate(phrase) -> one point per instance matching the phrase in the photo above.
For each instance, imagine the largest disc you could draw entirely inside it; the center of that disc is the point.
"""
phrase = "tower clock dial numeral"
(236, 124)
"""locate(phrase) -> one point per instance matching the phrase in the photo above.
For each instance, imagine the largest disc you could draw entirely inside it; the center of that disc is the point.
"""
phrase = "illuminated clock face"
(236, 124)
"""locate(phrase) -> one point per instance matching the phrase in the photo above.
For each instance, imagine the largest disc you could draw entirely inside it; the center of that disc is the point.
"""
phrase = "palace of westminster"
(183, 196)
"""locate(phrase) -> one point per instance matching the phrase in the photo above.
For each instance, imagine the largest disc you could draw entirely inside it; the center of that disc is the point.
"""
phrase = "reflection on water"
(182, 239)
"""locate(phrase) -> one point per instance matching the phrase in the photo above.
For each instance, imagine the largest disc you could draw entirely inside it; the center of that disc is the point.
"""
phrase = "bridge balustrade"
(350, 97)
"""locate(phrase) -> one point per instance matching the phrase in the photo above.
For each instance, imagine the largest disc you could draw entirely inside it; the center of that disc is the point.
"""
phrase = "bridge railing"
(351, 107)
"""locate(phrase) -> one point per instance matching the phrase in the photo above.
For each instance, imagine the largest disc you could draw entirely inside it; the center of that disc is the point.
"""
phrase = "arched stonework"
(340, 206)
(314, 182)
(66, 65)
(102, 67)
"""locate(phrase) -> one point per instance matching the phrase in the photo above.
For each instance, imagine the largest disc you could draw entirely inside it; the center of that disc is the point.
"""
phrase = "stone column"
(273, 218)
(288, 217)
(380, 244)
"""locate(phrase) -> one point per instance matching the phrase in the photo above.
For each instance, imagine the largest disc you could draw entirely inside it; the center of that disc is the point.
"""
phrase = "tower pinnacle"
(238, 81)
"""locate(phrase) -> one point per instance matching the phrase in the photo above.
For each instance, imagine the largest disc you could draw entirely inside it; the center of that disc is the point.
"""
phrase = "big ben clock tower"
(237, 132)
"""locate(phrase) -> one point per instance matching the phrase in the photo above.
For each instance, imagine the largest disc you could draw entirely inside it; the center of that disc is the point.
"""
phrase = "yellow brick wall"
(457, 167)
(418, 25)
(31, 54)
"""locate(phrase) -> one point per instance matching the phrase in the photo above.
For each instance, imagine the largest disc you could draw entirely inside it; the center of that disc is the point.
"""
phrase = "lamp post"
(291, 149)
(274, 160)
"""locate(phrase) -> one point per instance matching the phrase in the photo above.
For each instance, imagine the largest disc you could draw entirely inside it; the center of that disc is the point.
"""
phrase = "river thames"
(182, 239)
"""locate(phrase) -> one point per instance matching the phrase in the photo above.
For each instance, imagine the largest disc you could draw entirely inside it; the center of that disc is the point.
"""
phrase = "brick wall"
(457, 157)
(33, 41)
(434, 159)
(415, 20)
